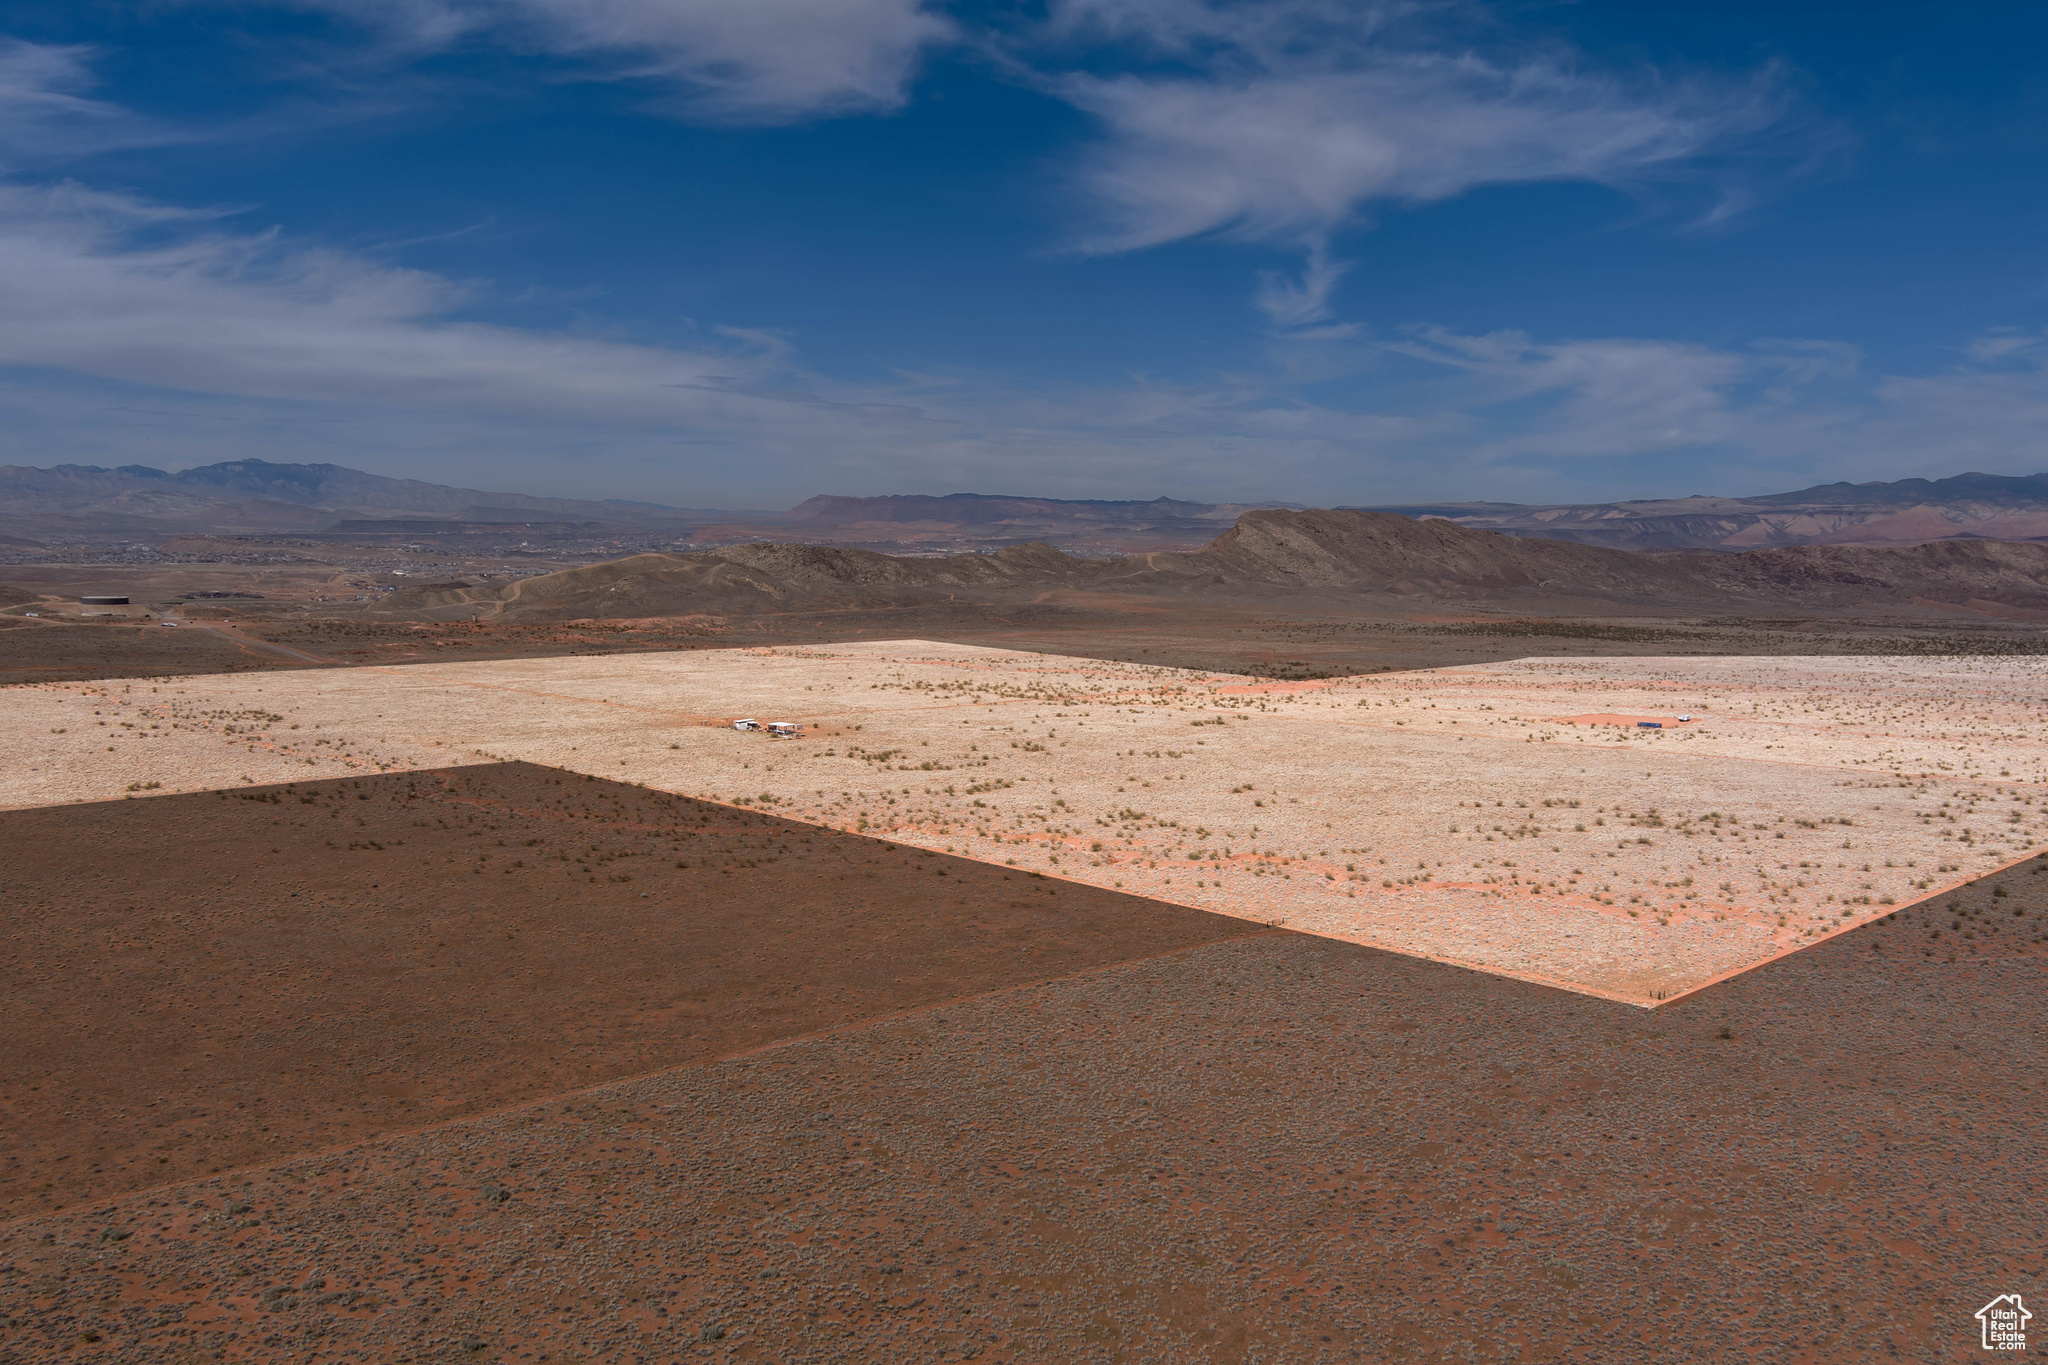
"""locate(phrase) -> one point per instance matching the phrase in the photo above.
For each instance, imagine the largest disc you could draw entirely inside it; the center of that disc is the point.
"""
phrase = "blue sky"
(737, 252)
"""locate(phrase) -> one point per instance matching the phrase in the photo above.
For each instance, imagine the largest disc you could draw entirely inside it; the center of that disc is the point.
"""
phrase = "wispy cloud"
(1298, 301)
(262, 345)
(1287, 122)
(245, 342)
(729, 61)
(47, 114)
(1579, 399)
(1755, 418)
(122, 288)
(1275, 123)
(143, 330)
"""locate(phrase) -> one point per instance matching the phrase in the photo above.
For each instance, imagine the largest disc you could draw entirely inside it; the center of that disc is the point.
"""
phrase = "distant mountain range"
(256, 496)
(1336, 558)
(74, 503)
(87, 502)
(1906, 512)
(983, 509)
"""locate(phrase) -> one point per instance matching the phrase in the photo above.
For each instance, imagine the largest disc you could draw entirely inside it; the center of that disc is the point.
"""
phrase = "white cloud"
(1579, 399)
(121, 288)
(46, 115)
(739, 61)
(1758, 419)
(1294, 156)
(1989, 412)
(1269, 122)
(1287, 122)
(2003, 343)
(1299, 302)
(142, 332)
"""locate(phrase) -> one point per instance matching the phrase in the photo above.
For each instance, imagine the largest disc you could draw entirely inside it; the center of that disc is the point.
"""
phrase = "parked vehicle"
(746, 725)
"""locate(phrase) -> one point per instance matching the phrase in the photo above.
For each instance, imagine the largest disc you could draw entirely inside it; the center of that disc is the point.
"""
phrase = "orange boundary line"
(1732, 973)
(1575, 987)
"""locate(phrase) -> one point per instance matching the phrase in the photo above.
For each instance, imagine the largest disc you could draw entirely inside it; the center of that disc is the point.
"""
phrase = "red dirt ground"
(1271, 1147)
(202, 981)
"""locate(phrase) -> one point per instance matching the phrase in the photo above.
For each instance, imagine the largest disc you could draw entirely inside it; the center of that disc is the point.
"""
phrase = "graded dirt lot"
(1268, 1148)
(1461, 813)
(203, 981)
(31, 651)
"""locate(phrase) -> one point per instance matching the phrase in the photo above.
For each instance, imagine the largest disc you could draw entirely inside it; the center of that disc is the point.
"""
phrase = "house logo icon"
(2004, 1320)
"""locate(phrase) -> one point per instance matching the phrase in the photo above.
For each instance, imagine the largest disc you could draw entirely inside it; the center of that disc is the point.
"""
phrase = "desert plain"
(1027, 1008)
(1516, 817)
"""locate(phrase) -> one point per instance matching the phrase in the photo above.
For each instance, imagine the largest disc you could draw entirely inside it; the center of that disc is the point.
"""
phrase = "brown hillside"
(1381, 552)
(1268, 554)
(740, 580)
(2007, 574)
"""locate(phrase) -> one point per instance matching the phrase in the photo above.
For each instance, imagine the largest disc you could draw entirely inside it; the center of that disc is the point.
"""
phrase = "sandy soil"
(1277, 1148)
(198, 982)
(1451, 813)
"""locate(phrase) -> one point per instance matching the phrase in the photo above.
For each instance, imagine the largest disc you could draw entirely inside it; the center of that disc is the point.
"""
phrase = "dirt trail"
(254, 645)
